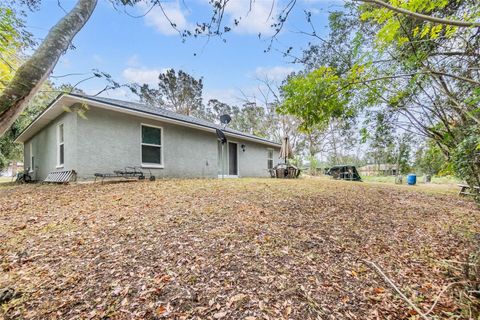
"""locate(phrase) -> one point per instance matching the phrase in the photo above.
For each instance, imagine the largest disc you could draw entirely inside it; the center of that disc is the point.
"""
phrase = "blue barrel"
(412, 179)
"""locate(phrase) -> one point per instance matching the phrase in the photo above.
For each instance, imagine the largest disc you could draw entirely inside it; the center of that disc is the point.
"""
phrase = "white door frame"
(228, 175)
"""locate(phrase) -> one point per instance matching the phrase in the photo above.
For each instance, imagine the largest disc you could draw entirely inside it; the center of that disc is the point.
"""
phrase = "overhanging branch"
(423, 17)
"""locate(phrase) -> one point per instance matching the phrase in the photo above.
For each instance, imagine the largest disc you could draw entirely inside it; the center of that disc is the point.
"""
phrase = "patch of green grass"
(6, 179)
(420, 179)
(383, 179)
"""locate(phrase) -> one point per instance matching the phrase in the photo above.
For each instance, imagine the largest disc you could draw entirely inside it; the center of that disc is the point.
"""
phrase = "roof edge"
(133, 110)
(16, 140)
(241, 134)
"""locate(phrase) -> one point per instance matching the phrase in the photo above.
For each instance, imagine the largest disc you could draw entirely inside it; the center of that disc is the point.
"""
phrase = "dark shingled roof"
(166, 114)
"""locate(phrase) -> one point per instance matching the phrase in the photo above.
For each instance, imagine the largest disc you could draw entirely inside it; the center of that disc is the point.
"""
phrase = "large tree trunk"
(30, 76)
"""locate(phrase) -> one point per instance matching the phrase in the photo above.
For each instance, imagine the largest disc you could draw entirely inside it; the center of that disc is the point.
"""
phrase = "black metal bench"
(129, 173)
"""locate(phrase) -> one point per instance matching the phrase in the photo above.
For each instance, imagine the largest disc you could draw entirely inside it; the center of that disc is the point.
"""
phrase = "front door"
(232, 159)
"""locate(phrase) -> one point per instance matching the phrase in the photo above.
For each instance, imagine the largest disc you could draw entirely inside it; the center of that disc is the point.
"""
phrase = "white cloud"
(121, 94)
(257, 20)
(277, 73)
(142, 75)
(133, 60)
(240, 95)
(156, 17)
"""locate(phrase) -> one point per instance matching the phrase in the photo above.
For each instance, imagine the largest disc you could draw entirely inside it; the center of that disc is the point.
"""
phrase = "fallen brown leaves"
(234, 249)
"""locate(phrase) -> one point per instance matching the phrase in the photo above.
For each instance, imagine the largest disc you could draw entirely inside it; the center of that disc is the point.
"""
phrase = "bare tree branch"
(394, 287)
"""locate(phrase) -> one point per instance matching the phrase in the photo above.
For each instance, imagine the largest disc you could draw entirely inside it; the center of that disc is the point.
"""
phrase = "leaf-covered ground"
(233, 249)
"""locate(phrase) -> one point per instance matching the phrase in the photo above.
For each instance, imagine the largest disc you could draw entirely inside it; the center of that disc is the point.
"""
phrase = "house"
(383, 169)
(12, 169)
(115, 134)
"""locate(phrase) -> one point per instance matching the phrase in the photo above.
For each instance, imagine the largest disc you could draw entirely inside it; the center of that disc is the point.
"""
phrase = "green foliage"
(10, 151)
(177, 91)
(466, 158)
(252, 119)
(420, 76)
(317, 97)
(216, 108)
(386, 145)
(13, 39)
(313, 165)
(296, 161)
(392, 24)
(429, 159)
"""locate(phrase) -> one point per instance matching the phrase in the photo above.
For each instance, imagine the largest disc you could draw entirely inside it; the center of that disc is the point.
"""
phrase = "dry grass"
(233, 249)
(6, 180)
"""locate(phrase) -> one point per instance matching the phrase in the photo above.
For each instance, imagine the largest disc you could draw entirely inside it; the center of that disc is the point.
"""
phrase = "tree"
(179, 92)
(36, 69)
(429, 159)
(327, 114)
(13, 39)
(314, 97)
(252, 119)
(428, 78)
(413, 9)
(382, 141)
(403, 152)
(424, 76)
(10, 151)
(216, 108)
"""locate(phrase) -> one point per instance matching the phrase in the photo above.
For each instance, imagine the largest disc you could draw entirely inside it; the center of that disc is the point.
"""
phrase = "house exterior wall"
(110, 140)
(253, 162)
(44, 147)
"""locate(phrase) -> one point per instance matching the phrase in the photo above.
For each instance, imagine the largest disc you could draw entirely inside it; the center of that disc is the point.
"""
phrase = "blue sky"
(137, 49)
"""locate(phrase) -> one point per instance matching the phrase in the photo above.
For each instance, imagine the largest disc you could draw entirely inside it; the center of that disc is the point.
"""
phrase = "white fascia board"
(52, 112)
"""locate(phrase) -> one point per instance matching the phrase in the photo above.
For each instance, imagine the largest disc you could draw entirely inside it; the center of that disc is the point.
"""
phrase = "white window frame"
(146, 164)
(268, 157)
(31, 155)
(60, 143)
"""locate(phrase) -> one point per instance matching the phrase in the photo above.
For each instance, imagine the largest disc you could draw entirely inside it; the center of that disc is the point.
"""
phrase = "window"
(152, 146)
(32, 159)
(270, 159)
(61, 146)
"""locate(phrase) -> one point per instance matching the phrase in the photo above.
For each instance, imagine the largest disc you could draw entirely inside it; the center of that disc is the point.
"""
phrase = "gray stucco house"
(116, 134)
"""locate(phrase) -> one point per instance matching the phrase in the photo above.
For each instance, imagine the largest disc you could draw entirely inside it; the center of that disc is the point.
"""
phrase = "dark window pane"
(270, 164)
(61, 155)
(151, 154)
(232, 159)
(151, 135)
(60, 133)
